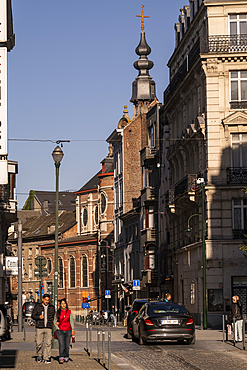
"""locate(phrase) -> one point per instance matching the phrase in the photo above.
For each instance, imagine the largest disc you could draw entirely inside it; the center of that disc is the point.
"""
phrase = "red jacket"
(64, 320)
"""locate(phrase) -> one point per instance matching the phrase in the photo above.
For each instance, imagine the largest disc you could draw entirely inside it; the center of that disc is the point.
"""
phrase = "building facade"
(205, 104)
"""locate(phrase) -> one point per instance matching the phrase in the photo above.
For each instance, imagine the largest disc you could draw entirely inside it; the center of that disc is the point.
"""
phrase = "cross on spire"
(142, 16)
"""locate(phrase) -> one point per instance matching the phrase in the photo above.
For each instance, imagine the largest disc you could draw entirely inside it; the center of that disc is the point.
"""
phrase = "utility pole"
(19, 276)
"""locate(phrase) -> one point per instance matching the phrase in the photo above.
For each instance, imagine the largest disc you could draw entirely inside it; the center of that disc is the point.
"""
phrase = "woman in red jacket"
(64, 325)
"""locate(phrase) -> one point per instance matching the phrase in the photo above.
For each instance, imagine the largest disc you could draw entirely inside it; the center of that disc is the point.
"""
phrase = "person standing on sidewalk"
(64, 325)
(236, 312)
(43, 314)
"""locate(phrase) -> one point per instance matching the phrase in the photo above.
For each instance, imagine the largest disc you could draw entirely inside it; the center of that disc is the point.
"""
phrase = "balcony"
(186, 185)
(218, 44)
(236, 175)
(148, 235)
(148, 194)
(239, 233)
(169, 197)
(238, 104)
(148, 155)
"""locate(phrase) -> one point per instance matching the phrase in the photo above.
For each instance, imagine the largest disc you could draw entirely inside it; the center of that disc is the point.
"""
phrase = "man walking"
(43, 314)
(236, 313)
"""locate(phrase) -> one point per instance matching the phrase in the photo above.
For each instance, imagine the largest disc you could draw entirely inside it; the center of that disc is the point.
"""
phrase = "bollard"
(103, 347)
(87, 337)
(99, 347)
(223, 325)
(243, 334)
(234, 328)
(109, 351)
(201, 320)
(24, 329)
(226, 329)
(90, 340)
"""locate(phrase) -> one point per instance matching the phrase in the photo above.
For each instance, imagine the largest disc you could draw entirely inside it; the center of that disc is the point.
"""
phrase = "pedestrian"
(236, 312)
(43, 314)
(168, 297)
(113, 317)
(64, 325)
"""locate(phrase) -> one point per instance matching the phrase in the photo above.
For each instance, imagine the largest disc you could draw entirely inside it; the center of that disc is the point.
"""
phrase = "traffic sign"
(43, 272)
(136, 285)
(107, 294)
(40, 261)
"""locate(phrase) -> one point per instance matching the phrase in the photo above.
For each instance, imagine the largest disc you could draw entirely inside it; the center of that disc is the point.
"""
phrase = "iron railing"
(187, 184)
(4, 193)
(239, 233)
(236, 175)
(169, 197)
(238, 104)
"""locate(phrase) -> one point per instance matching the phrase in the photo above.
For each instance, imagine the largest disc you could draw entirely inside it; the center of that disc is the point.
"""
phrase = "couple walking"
(45, 318)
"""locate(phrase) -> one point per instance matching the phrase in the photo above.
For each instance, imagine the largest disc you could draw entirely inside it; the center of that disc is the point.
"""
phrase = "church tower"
(143, 88)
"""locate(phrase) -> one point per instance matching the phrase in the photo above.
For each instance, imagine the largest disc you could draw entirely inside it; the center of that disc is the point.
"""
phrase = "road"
(207, 354)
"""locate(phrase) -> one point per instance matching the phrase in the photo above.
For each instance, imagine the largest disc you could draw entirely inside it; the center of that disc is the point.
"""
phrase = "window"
(238, 89)
(72, 272)
(96, 214)
(239, 218)
(30, 253)
(151, 136)
(60, 272)
(103, 203)
(238, 24)
(192, 293)
(95, 271)
(30, 272)
(215, 299)
(37, 252)
(239, 150)
(84, 272)
(48, 266)
(85, 216)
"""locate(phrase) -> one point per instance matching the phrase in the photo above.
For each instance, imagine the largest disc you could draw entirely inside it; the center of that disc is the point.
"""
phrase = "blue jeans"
(64, 342)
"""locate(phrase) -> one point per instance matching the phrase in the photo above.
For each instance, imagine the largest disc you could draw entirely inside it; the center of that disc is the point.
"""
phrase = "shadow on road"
(8, 359)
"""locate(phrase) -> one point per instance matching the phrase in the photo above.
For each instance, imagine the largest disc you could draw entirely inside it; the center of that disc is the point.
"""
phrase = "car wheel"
(142, 341)
(129, 336)
(191, 340)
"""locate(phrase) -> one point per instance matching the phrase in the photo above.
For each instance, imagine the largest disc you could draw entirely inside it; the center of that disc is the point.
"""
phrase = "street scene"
(123, 184)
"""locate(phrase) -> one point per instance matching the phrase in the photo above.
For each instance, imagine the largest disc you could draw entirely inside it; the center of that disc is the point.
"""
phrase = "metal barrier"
(89, 350)
(225, 327)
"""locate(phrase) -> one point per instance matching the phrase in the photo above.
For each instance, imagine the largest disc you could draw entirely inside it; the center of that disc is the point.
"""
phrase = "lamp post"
(57, 155)
(201, 181)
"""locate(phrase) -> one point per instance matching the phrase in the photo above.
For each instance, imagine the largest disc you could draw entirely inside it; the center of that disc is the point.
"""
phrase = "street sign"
(136, 285)
(11, 264)
(43, 272)
(107, 294)
(40, 261)
(43, 291)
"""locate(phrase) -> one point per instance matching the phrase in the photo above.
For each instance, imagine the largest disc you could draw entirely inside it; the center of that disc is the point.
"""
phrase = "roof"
(43, 226)
(92, 238)
(91, 184)
(47, 201)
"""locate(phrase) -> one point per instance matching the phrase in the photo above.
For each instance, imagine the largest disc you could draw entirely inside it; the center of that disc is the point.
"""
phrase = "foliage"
(28, 203)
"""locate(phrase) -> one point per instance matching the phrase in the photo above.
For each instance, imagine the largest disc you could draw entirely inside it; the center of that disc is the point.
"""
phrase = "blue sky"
(69, 76)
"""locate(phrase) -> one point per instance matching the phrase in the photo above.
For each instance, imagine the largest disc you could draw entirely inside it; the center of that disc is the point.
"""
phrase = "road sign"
(40, 261)
(42, 292)
(107, 294)
(11, 265)
(136, 285)
(43, 272)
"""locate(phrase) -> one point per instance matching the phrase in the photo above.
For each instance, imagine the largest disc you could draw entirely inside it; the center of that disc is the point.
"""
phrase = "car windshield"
(159, 309)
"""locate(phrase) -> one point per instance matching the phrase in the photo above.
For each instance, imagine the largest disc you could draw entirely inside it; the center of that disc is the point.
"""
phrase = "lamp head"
(57, 154)
(188, 231)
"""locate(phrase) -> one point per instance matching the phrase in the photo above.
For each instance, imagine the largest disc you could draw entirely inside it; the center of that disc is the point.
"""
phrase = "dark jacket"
(37, 311)
(236, 311)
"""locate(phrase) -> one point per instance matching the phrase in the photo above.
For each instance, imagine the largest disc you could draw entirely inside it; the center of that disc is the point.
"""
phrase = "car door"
(139, 319)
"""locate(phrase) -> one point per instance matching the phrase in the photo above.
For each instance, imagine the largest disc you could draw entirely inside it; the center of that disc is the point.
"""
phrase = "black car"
(163, 321)
(134, 310)
(27, 309)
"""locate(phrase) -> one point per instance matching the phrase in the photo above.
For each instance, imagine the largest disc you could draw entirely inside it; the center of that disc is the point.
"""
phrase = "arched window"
(72, 272)
(103, 203)
(95, 271)
(85, 216)
(48, 266)
(60, 272)
(96, 215)
(84, 271)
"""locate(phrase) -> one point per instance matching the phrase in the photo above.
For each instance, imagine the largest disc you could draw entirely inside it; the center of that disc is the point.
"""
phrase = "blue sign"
(107, 294)
(136, 284)
(85, 305)
(43, 291)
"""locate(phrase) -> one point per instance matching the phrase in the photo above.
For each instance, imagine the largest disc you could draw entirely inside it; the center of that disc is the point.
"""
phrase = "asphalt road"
(208, 353)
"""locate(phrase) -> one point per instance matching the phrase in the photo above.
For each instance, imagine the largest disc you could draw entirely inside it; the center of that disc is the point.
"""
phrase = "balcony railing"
(239, 233)
(211, 44)
(148, 154)
(148, 235)
(224, 44)
(4, 193)
(148, 194)
(238, 104)
(187, 184)
(236, 175)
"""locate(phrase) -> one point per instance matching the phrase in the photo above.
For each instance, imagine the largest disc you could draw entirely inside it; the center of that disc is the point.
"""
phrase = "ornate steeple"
(143, 88)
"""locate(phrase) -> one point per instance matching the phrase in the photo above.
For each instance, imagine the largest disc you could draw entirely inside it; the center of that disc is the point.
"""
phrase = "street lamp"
(57, 155)
(188, 230)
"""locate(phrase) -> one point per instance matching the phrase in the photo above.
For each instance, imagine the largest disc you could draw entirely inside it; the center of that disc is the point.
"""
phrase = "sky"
(69, 77)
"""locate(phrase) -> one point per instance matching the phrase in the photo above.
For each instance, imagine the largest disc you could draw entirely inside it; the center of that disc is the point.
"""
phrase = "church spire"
(143, 88)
